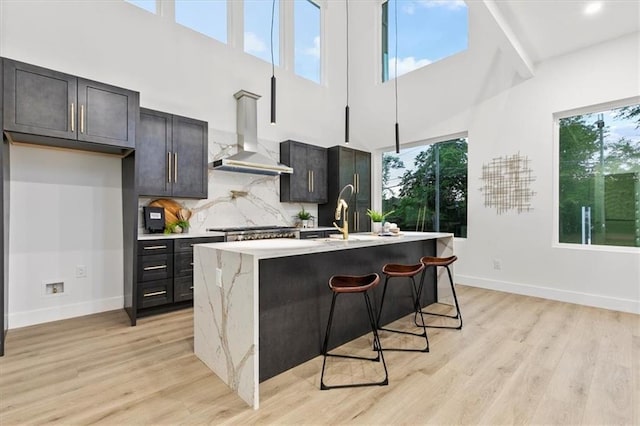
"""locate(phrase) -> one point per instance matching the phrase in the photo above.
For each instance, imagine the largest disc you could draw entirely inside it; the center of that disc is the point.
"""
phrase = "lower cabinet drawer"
(183, 288)
(153, 268)
(154, 293)
(306, 235)
(183, 264)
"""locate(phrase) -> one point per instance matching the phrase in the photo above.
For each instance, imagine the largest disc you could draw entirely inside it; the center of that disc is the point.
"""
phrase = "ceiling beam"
(513, 46)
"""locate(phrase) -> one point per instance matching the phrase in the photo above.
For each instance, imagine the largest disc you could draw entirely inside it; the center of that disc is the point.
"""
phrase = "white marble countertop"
(283, 247)
(162, 236)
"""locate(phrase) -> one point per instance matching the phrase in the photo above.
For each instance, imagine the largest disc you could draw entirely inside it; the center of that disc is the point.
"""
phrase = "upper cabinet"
(308, 182)
(348, 166)
(52, 108)
(172, 155)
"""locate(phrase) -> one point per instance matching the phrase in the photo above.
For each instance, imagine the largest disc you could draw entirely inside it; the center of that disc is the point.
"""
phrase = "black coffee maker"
(153, 219)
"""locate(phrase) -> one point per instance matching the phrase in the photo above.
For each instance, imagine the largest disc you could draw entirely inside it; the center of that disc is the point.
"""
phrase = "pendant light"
(273, 69)
(346, 109)
(396, 79)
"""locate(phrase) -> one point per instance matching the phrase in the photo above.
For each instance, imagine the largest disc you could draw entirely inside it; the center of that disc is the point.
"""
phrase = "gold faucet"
(341, 211)
(342, 204)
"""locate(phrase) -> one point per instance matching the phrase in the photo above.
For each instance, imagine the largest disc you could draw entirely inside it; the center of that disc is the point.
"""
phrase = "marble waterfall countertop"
(227, 297)
(283, 247)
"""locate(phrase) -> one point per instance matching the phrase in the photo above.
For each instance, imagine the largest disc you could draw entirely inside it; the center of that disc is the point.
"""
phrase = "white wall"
(520, 119)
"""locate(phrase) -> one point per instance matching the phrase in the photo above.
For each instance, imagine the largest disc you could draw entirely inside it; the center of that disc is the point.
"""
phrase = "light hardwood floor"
(518, 360)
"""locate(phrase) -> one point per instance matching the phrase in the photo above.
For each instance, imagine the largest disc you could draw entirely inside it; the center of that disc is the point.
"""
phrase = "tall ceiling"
(549, 28)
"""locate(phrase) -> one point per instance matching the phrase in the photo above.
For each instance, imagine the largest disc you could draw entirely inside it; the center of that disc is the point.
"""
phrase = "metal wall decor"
(507, 184)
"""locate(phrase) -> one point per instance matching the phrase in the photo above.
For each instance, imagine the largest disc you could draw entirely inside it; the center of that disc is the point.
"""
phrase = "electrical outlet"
(81, 271)
(497, 264)
(219, 277)
(54, 288)
(201, 217)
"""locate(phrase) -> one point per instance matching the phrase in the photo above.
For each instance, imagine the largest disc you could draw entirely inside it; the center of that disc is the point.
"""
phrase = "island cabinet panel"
(165, 273)
(294, 300)
(172, 155)
(308, 182)
(348, 166)
(47, 107)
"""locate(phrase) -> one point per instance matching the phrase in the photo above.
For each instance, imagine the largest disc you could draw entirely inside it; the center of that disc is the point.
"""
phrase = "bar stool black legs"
(353, 284)
(435, 262)
(408, 271)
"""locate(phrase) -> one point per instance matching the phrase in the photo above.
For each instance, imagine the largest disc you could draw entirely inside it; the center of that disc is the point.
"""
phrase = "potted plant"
(376, 219)
(304, 217)
(181, 226)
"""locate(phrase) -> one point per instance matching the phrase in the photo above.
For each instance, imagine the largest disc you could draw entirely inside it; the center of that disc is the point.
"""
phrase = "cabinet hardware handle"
(153, 268)
(308, 237)
(191, 264)
(313, 183)
(175, 167)
(154, 247)
(358, 180)
(81, 118)
(73, 117)
(308, 180)
(169, 166)
(191, 288)
(155, 293)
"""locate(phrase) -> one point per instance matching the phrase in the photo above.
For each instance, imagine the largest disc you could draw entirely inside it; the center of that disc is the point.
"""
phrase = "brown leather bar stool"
(435, 262)
(342, 284)
(394, 270)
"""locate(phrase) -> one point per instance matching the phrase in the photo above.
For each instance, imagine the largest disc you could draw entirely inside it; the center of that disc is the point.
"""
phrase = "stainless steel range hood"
(247, 160)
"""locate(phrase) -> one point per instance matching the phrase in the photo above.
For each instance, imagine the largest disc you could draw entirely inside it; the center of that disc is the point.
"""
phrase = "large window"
(307, 39)
(257, 29)
(428, 31)
(599, 178)
(426, 187)
(208, 17)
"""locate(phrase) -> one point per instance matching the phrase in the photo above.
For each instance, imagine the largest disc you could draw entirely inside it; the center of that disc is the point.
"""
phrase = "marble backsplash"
(260, 206)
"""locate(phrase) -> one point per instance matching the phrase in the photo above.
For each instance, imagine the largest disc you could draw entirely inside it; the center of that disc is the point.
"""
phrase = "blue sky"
(428, 30)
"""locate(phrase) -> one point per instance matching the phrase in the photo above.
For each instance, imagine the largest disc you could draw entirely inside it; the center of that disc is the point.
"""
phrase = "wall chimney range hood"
(247, 160)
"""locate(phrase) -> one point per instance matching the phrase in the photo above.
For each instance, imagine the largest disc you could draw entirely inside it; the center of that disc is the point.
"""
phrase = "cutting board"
(171, 209)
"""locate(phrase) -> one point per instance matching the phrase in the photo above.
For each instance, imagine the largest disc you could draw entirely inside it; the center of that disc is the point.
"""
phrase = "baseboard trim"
(39, 316)
(587, 299)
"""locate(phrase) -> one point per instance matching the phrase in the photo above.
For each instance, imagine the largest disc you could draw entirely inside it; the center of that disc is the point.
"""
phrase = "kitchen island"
(261, 307)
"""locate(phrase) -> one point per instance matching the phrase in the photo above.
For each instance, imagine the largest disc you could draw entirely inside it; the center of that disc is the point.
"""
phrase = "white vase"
(376, 227)
(305, 223)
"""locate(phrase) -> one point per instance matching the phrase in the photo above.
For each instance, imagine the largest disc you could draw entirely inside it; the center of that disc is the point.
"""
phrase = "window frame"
(376, 186)
(291, 45)
(556, 117)
(379, 68)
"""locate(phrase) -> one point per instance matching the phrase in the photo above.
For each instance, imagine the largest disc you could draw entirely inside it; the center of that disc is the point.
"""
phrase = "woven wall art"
(507, 184)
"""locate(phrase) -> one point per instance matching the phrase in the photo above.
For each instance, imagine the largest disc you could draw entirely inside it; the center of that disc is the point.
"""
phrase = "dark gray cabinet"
(308, 182)
(172, 152)
(348, 166)
(52, 108)
(165, 273)
(315, 233)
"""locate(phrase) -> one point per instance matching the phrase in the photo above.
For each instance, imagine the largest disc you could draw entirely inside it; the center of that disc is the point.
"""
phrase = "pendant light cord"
(273, 12)
(347, 6)
(395, 65)
(395, 83)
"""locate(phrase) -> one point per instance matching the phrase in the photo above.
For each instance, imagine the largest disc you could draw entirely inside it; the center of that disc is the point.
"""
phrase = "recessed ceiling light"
(593, 8)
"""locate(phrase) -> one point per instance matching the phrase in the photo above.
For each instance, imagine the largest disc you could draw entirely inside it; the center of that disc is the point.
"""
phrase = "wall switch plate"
(81, 271)
(497, 264)
(219, 277)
